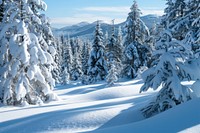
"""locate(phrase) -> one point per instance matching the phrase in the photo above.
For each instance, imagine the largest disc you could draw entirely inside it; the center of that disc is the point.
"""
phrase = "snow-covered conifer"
(111, 47)
(135, 47)
(67, 59)
(97, 64)
(112, 76)
(76, 71)
(1, 10)
(174, 61)
(193, 35)
(114, 50)
(65, 77)
(106, 39)
(25, 60)
(85, 56)
(120, 45)
(58, 60)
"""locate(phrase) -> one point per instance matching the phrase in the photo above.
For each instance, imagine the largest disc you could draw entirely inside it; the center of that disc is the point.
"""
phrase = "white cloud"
(122, 9)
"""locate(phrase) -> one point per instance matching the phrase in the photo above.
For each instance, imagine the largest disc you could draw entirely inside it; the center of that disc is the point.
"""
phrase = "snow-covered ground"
(100, 109)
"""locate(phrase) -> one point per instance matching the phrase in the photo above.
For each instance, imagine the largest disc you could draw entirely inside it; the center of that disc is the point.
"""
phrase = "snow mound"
(184, 118)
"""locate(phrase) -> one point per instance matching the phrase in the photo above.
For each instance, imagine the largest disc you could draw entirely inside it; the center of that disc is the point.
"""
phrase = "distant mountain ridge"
(86, 30)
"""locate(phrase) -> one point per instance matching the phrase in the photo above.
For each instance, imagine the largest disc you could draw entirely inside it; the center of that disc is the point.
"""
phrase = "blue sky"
(69, 12)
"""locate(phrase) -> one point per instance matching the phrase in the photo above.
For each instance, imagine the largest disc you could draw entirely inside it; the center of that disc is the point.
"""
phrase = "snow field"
(99, 109)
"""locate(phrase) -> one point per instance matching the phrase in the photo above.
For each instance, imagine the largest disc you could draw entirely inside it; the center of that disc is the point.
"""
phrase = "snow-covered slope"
(98, 108)
(184, 118)
(86, 30)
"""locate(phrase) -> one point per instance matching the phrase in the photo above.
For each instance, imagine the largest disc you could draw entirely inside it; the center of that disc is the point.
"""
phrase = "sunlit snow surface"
(98, 108)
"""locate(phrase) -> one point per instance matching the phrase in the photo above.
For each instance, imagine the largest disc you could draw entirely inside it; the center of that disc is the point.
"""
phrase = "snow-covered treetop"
(135, 11)
(40, 4)
(98, 41)
(135, 28)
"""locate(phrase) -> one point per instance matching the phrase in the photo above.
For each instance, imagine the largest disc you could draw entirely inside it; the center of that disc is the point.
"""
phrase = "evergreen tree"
(112, 76)
(65, 77)
(97, 64)
(1, 10)
(175, 59)
(76, 45)
(67, 59)
(111, 47)
(76, 71)
(135, 47)
(119, 52)
(168, 73)
(106, 39)
(115, 51)
(24, 61)
(193, 34)
(85, 56)
(57, 59)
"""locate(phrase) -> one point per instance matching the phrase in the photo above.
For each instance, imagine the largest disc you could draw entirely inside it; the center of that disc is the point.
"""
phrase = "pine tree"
(1, 10)
(193, 34)
(111, 47)
(106, 39)
(58, 60)
(97, 64)
(135, 47)
(25, 77)
(175, 61)
(76, 45)
(85, 56)
(115, 51)
(67, 59)
(65, 77)
(76, 71)
(120, 46)
(112, 76)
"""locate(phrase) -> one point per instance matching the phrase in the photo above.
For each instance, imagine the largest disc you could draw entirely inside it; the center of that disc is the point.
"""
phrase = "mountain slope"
(86, 30)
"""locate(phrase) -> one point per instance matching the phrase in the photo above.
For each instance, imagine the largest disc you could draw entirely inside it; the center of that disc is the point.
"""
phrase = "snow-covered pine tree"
(24, 77)
(85, 56)
(76, 45)
(112, 76)
(120, 50)
(135, 47)
(57, 59)
(114, 51)
(1, 10)
(193, 34)
(173, 62)
(97, 64)
(111, 47)
(65, 77)
(67, 59)
(173, 20)
(168, 74)
(106, 39)
(76, 71)
(192, 39)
